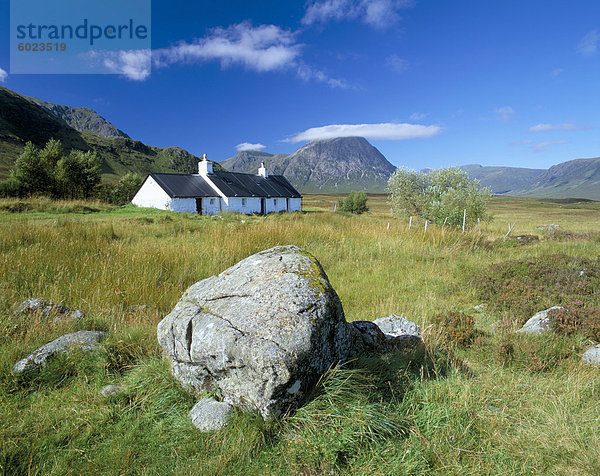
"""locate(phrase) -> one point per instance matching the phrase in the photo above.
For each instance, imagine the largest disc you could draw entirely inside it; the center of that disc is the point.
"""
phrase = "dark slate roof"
(232, 184)
(184, 186)
(235, 184)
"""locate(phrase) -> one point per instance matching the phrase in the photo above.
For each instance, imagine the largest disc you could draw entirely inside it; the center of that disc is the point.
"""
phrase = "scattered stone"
(47, 308)
(591, 356)
(386, 334)
(210, 415)
(550, 227)
(262, 332)
(109, 390)
(493, 408)
(539, 323)
(395, 326)
(480, 307)
(84, 340)
(367, 338)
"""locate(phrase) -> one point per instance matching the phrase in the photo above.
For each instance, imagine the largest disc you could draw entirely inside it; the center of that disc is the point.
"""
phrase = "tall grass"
(469, 409)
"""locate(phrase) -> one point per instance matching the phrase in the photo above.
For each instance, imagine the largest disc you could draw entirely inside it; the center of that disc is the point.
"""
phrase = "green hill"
(23, 120)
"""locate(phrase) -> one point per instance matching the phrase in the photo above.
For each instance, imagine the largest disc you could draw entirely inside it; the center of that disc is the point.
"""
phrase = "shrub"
(458, 327)
(575, 318)
(520, 288)
(440, 196)
(355, 202)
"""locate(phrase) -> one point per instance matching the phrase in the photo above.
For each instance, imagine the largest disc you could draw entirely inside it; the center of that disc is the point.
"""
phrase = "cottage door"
(263, 206)
(199, 206)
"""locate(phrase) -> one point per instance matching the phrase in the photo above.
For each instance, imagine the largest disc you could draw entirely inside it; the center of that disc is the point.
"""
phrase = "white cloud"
(557, 71)
(261, 48)
(542, 146)
(248, 146)
(306, 73)
(554, 127)
(3, 75)
(132, 64)
(588, 46)
(375, 13)
(383, 131)
(418, 116)
(504, 113)
(397, 64)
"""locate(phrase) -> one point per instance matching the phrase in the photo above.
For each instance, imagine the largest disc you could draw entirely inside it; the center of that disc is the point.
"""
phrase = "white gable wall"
(152, 195)
(294, 204)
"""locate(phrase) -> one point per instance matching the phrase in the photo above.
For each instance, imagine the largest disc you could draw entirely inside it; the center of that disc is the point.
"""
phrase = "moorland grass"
(485, 400)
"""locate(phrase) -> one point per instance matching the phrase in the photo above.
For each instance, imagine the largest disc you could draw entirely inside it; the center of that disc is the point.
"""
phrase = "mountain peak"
(339, 164)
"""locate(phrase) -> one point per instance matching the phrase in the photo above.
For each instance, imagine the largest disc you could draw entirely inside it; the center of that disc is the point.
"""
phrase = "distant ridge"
(579, 178)
(502, 180)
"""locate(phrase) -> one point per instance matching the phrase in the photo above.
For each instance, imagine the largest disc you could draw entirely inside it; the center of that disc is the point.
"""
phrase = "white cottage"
(210, 192)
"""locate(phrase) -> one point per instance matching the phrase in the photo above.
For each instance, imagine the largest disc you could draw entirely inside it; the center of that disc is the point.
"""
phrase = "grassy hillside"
(22, 120)
(485, 401)
(502, 179)
(578, 178)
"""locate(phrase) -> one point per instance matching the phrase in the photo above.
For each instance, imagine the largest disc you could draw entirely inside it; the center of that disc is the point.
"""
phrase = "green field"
(485, 401)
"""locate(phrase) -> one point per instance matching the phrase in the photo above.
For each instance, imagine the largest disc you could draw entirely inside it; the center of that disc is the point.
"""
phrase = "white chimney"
(262, 171)
(205, 167)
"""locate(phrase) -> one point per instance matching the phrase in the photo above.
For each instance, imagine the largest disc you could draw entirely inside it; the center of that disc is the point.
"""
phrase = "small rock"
(394, 326)
(539, 323)
(402, 335)
(210, 415)
(31, 305)
(591, 356)
(367, 338)
(480, 307)
(109, 390)
(84, 340)
(46, 308)
(492, 407)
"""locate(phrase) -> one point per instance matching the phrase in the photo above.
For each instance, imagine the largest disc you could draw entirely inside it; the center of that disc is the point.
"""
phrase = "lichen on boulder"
(259, 334)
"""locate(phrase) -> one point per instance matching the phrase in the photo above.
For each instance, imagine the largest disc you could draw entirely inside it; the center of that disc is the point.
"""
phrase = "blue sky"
(429, 83)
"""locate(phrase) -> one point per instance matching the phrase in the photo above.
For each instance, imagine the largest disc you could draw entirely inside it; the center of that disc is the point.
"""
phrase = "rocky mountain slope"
(82, 119)
(333, 165)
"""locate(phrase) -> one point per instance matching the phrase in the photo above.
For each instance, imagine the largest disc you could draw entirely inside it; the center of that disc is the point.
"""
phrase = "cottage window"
(275, 201)
(212, 201)
(243, 202)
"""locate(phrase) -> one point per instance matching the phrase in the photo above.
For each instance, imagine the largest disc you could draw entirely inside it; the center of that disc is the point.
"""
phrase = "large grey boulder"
(261, 333)
(209, 415)
(48, 308)
(539, 323)
(592, 356)
(82, 340)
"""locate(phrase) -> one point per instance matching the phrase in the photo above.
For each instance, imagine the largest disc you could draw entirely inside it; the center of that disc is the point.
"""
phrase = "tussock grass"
(499, 404)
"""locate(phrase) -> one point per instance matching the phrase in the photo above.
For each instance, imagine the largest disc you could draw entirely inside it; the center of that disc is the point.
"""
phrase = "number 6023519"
(42, 47)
